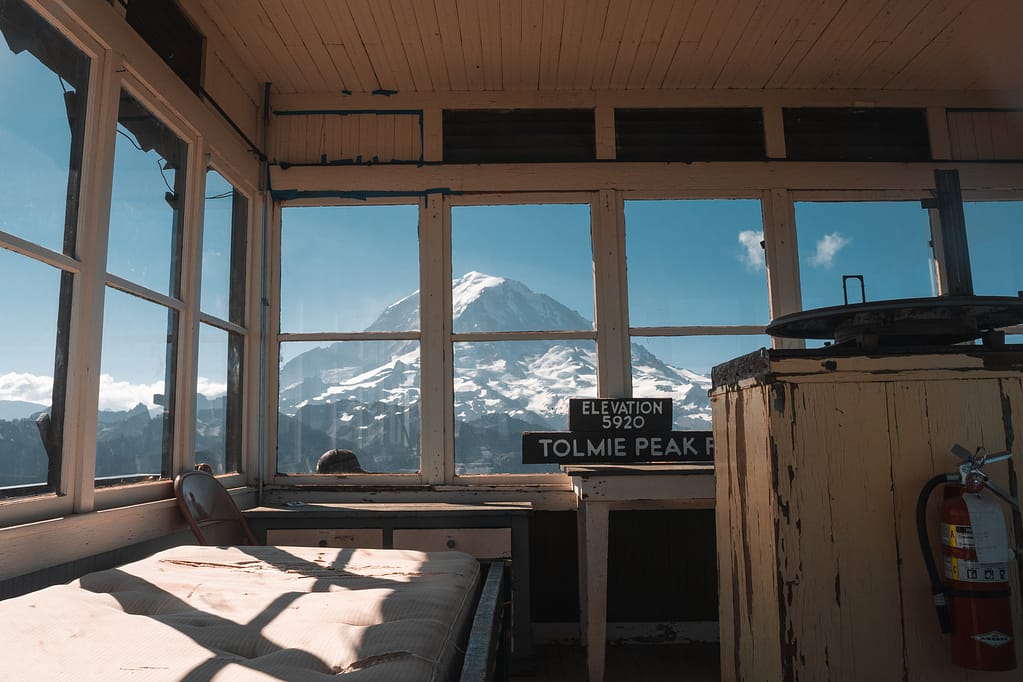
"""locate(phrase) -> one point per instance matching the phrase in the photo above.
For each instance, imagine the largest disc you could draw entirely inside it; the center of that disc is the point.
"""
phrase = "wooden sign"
(616, 447)
(617, 431)
(619, 414)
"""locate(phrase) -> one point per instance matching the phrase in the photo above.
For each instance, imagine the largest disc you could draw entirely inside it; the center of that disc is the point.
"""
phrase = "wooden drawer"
(371, 538)
(482, 543)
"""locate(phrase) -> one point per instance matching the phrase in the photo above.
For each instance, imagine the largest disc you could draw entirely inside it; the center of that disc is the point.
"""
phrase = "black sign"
(616, 447)
(619, 414)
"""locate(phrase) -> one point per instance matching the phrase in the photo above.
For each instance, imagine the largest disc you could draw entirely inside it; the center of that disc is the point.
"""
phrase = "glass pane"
(147, 200)
(44, 81)
(888, 243)
(218, 400)
(678, 367)
(695, 263)
(994, 233)
(27, 374)
(507, 387)
(133, 441)
(223, 250)
(522, 268)
(343, 266)
(361, 396)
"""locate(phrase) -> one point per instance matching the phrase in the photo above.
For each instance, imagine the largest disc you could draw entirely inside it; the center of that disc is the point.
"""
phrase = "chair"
(210, 510)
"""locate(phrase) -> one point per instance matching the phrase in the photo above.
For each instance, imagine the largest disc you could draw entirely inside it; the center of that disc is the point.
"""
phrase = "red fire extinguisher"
(973, 598)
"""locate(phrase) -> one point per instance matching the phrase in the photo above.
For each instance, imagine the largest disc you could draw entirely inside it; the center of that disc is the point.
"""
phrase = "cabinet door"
(482, 543)
(370, 538)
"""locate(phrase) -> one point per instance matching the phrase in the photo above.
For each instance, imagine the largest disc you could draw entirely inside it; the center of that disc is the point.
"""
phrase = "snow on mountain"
(529, 381)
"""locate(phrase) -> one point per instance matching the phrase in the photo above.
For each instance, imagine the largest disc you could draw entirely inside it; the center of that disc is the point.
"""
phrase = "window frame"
(686, 331)
(589, 199)
(276, 337)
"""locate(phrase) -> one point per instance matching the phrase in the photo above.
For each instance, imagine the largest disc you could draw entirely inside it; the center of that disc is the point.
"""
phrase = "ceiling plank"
(394, 46)
(571, 42)
(288, 47)
(532, 27)
(433, 48)
(747, 66)
(833, 42)
(593, 28)
(512, 68)
(352, 45)
(698, 38)
(675, 27)
(490, 41)
(917, 35)
(333, 45)
(743, 16)
(818, 20)
(451, 41)
(550, 43)
(610, 43)
(650, 39)
(472, 45)
(315, 44)
(387, 57)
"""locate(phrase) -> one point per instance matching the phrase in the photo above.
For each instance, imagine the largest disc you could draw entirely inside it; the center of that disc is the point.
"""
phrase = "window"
(349, 350)
(697, 296)
(218, 426)
(994, 233)
(522, 322)
(42, 140)
(886, 242)
(140, 327)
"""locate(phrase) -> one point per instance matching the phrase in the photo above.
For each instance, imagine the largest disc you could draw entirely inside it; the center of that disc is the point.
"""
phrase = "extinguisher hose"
(938, 589)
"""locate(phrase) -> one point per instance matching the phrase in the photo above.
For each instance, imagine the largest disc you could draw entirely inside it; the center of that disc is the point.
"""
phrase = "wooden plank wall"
(986, 135)
(838, 478)
(347, 137)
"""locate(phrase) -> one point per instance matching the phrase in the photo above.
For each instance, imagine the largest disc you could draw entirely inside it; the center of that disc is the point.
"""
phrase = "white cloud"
(121, 395)
(753, 258)
(113, 395)
(827, 248)
(27, 387)
(210, 389)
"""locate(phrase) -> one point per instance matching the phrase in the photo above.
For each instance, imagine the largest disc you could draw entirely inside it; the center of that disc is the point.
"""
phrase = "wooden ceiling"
(436, 46)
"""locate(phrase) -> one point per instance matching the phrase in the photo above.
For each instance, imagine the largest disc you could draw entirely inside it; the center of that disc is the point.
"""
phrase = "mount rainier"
(364, 395)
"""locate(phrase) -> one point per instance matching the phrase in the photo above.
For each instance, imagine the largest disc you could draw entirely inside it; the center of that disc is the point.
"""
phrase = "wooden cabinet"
(482, 543)
(819, 460)
(370, 538)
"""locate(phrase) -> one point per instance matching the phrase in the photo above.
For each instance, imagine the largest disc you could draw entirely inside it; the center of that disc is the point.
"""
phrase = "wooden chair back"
(210, 510)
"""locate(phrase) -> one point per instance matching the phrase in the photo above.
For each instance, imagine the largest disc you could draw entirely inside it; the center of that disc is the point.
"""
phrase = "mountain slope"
(366, 393)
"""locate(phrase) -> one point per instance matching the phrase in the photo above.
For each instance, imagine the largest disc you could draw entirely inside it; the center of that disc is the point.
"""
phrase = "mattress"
(249, 613)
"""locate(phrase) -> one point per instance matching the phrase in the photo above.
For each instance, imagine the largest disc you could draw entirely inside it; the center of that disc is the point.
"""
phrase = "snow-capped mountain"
(348, 394)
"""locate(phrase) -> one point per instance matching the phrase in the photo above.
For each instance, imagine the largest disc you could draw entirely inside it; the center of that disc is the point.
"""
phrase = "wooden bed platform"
(272, 613)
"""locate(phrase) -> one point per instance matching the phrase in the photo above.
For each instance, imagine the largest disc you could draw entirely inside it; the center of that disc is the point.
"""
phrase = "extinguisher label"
(975, 572)
(988, 528)
(957, 536)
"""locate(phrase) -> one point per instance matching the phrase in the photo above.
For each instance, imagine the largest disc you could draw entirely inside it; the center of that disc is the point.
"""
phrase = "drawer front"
(482, 543)
(370, 538)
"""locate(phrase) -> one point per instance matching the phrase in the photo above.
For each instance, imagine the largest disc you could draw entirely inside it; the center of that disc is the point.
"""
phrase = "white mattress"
(248, 613)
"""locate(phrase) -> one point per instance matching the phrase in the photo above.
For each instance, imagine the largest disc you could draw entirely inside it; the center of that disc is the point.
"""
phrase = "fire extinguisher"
(973, 600)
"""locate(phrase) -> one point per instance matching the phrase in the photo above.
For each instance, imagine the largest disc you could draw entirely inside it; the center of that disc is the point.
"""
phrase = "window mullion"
(782, 259)
(188, 326)
(87, 308)
(610, 294)
(436, 387)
